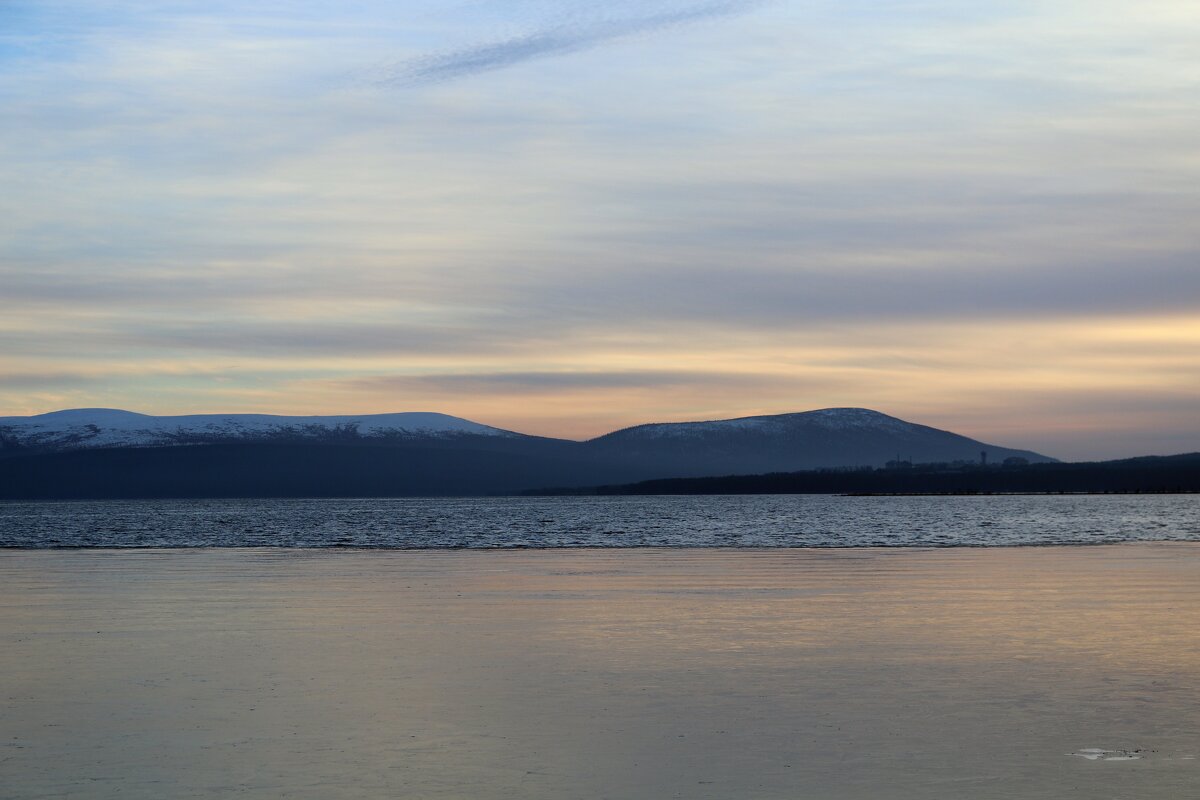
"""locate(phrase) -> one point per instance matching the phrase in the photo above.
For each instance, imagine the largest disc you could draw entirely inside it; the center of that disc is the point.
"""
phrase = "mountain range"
(114, 453)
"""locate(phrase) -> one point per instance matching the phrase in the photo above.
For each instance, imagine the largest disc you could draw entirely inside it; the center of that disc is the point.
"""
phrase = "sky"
(568, 217)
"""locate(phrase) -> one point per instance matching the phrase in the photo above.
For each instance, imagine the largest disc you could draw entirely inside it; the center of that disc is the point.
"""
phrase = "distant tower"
(983, 457)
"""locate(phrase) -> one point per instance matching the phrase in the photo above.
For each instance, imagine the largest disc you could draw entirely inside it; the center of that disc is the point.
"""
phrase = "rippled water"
(721, 521)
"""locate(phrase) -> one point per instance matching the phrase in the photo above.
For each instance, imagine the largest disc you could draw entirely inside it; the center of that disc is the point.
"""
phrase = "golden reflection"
(839, 674)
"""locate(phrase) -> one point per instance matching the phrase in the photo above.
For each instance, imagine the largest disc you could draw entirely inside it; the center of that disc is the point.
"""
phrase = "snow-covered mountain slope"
(110, 453)
(108, 427)
(830, 419)
(829, 437)
(832, 437)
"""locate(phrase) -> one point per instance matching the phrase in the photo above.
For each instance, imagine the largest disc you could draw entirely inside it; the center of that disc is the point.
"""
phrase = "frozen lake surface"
(1048, 673)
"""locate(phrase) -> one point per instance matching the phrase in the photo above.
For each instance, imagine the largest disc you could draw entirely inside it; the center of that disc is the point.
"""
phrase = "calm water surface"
(710, 521)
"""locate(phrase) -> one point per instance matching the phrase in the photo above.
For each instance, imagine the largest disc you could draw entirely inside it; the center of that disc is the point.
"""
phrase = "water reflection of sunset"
(635, 674)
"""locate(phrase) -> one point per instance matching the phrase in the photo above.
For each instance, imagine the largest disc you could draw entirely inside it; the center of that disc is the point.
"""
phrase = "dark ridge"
(293, 470)
(1144, 474)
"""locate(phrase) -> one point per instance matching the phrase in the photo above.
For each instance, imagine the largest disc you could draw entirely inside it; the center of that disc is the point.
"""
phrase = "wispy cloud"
(555, 40)
(948, 211)
(544, 382)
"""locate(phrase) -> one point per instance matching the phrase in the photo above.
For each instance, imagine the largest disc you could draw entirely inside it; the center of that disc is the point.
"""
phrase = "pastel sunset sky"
(568, 217)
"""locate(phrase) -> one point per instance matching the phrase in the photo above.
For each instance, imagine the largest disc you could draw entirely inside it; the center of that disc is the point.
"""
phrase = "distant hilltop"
(110, 452)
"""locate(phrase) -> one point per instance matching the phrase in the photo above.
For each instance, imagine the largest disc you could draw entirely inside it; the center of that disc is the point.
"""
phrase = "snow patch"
(838, 419)
(1098, 754)
(108, 427)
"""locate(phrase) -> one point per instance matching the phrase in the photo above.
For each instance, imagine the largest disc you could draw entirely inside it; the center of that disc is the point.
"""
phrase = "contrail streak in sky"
(550, 41)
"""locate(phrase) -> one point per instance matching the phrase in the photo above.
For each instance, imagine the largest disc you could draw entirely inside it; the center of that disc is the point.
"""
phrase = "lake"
(611, 522)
